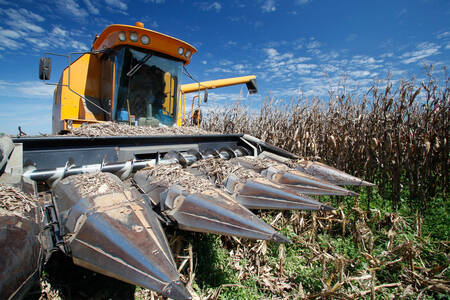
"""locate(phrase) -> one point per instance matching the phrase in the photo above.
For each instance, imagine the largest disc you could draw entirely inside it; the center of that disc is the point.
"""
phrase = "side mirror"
(45, 68)
(205, 97)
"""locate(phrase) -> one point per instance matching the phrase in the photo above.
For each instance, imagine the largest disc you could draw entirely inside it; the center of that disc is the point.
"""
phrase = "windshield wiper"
(139, 65)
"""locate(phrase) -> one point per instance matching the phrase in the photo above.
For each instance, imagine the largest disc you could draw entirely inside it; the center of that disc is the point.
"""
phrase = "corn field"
(394, 137)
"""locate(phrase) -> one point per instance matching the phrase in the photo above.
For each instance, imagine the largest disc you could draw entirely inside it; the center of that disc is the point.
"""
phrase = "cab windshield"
(146, 87)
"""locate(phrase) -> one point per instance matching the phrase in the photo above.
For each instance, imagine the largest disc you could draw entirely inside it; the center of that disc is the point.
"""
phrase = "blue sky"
(293, 46)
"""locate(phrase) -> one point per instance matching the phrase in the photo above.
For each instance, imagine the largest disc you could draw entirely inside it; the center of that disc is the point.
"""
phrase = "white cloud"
(8, 38)
(26, 89)
(443, 35)
(117, 4)
(71, 7)
(206, 6)
(79, 46)
(30, 15)
(22, 19)
(11, 33)
(59, 31)
(271, 52)
(155, 1)
(313, 44)
(225, 62)
(268, 6)
(37, 42)
(424, 50)
(365, 62)
(359, 73)
(92, 9)
(386, 55)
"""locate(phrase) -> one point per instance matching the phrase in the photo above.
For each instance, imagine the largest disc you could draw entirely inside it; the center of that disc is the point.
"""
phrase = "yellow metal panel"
(169, 86)
(159, 42)
(85, 80)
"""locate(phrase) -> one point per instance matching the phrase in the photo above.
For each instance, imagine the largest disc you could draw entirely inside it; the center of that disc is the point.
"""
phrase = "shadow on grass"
(73, 282)
(213, 262)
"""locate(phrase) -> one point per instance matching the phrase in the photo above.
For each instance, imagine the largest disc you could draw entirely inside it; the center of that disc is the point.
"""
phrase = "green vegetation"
(349, 253)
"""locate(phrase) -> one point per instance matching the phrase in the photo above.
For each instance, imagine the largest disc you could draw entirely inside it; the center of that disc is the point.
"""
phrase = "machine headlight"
(145, 39)
(133, 36)
(188, 53)
(122, 36)
(180, 50)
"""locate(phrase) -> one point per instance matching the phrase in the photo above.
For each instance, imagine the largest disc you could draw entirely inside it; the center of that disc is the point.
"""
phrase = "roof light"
(188, 53)
(180, 50)
(145, 39)
(122, 36)
(133, 36)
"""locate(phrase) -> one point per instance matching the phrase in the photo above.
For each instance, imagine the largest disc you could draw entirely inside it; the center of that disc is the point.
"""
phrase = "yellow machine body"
(131, 75)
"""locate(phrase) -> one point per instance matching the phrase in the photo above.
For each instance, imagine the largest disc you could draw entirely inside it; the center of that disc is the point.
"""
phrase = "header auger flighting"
(74, 193)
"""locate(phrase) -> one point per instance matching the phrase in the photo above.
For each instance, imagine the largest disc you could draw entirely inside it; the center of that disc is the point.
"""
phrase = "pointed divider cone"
(252, 189)
(263, 194)
(204, 208)
(291, 178)
(109, 229)
(304, 183)
(330, 174)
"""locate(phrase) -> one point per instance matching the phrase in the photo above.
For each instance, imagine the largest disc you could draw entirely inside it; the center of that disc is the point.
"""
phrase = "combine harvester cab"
(104, 200)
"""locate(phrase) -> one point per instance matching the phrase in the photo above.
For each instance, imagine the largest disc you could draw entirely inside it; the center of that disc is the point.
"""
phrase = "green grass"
(214, 266)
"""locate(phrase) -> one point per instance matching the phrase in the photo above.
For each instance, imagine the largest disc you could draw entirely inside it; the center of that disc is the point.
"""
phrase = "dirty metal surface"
(330, 174)
(113, 231)
(20, 253)
(204, 208)
(299, 181)
(250, 188)
(263, 194)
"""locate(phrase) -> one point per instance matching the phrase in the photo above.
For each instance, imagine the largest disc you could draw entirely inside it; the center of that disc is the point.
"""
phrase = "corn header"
(105, 201)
